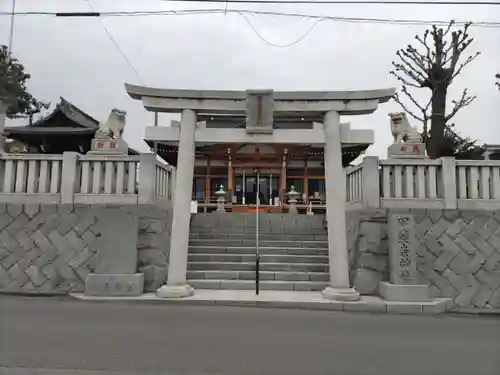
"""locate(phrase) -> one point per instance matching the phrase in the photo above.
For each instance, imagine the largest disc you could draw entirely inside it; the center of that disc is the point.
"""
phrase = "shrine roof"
(71, 112)
(54, 130)
(66, 118)
(349, 152)
(65, 128)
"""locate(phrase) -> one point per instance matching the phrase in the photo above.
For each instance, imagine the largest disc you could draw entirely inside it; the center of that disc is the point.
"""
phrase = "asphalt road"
(58, 333)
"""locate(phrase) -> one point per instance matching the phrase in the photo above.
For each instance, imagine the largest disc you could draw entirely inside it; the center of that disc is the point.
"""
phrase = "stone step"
(250, 266)
(263, 275)
(264, 285)
(264, 258)
(247, 230)
(262, 236)
(263, 243)
(252, 249)
(251, 229)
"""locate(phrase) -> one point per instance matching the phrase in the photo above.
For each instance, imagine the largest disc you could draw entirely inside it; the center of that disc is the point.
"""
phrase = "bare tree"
(434, 66)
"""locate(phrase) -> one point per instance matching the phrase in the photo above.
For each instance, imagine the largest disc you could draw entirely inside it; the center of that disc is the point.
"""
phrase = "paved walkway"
(131, 338)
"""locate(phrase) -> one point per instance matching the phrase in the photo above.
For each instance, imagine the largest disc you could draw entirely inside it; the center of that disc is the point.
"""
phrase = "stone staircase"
(293, 252)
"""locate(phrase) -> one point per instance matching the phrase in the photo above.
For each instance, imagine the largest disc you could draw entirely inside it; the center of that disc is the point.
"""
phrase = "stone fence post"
(68, 176)
(147, 178)
(3, 118)
(371, 182)
(448, 183)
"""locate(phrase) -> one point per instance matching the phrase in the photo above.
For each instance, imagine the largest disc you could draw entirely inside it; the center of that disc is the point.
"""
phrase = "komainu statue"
(401, 129)
(114, 127)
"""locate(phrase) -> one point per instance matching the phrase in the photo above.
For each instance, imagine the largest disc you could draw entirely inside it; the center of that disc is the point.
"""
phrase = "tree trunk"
(437, 121)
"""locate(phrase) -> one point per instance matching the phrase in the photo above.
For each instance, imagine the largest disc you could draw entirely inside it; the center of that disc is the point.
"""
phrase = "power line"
(140, 13)
(244, 12)
(341, 2)
(115, 43)
(256, 32)
(11, 33)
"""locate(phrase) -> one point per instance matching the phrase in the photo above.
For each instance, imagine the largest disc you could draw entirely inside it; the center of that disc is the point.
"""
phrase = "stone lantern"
(221, 199)
(292, 200)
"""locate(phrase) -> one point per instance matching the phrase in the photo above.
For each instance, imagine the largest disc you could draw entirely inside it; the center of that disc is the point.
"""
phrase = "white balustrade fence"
(397, 183)
(404, 181)
(100, 177)
(354, 180)
(24, 176)
(84, 179)
(478, 183)
(424, 183)
(163, 181)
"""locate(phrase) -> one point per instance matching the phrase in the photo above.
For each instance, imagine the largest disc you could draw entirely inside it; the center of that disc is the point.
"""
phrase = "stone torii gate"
(259, 108)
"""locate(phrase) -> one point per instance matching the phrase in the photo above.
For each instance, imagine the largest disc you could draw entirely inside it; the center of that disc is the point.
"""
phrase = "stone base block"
(114, 285)
(175, 291)
(404, 293)
(340, 294)
(406, 151)
(108, 146)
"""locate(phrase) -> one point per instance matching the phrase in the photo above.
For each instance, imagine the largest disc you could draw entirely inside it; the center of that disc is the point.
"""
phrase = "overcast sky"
(75, 58)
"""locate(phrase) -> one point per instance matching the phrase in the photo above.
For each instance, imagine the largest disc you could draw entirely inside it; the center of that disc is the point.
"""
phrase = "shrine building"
(278, 145)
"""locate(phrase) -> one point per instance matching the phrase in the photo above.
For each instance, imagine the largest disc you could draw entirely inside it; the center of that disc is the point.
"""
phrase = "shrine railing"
(84, 179)
(30, 178)
(424, 183)
(164, 181)
(402, 182)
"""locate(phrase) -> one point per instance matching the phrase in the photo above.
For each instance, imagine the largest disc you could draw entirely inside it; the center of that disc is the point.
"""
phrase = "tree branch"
(416, 58)
(428, 52)
(405, 108)
(424, 117)
(463, 65)
(464, 101)
(404, 81)
(460, 41)
(411, 69)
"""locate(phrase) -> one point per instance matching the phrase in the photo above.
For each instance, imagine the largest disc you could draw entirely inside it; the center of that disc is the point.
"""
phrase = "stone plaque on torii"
(260, 111)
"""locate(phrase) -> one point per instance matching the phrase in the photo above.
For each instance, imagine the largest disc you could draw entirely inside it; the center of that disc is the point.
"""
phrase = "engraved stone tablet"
(402, 249)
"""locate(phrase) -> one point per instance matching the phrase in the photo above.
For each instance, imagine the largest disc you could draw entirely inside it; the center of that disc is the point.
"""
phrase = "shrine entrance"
(253, 183)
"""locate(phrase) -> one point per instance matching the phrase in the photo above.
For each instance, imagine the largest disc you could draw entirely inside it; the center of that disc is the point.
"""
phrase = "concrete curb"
(484, 312)
(33, 294)
(368, 305)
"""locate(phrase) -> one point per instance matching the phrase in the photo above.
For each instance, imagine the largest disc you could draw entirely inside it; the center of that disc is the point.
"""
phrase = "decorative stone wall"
(458, 254)
(154, 246)
(368, 249)
(51, 248)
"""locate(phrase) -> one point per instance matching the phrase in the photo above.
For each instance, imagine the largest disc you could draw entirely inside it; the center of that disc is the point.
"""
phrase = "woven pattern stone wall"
(368, 249)
(153, 246)
(459, 255)
(51, 248)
